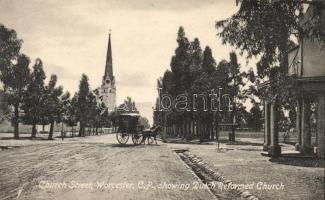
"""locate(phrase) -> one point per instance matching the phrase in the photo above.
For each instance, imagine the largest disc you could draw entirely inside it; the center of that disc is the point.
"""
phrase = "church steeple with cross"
(108, 89)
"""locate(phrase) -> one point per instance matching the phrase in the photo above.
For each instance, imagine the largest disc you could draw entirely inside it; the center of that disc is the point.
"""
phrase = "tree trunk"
(197, 129)
(233, 121)
(212, 131)
(216, 126)
(191, 133)
(51, 130)
(174, 130)
(16, 122)
(81, 129)
(34, 131)
(183, 129)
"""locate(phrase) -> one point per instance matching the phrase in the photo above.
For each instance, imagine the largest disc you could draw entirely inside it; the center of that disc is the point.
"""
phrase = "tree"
(194, 75)
(195, 56)
(71, 109)
(255, 118)
(209, 64)
(180, 62)
(203, 83)
(53, 103)
(103, 117)
(9, 51)
(236, 79)
(144, 122)
(16, 86)
(93, 113)
(13, 76)
(128, 106)
(82, 104)
(263, 28)
(34, 97)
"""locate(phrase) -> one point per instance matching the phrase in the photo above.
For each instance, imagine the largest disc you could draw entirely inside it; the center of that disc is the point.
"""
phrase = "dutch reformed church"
(107, 91)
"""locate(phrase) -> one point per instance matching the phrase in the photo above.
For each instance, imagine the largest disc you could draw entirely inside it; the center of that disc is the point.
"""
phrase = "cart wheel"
(122, 138)
(137, 138)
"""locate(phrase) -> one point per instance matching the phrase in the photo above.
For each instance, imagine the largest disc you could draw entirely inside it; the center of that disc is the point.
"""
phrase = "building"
(306, 63)
(306, 66)
(107, 91)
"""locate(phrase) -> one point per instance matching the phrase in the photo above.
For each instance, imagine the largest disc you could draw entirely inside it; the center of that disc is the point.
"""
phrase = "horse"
(151, 134)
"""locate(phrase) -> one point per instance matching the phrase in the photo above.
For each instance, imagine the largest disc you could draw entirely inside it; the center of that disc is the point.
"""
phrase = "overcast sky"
(71, 37)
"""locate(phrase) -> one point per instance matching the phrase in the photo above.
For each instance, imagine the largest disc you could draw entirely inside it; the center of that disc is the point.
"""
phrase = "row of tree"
(261, 29)
(195, 72)
(35, 102)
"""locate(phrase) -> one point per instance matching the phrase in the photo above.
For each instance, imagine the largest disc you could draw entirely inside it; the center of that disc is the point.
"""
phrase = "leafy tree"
(255, 118)
(71, 109)
(196, 73)
(34, 97)
(196, 56)
(128, 106)
(82, 104)
(16, 87)
(144, 122)
(180, 62)
(236, 79)
(13, 76)
(103, 117)
(204, 82)
(9, 51)
(113, 116)
(54, 107)
(93, 113)
(209, 64)
(263, 28)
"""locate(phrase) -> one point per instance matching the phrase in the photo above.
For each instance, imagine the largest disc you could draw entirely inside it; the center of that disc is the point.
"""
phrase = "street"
(96, 167)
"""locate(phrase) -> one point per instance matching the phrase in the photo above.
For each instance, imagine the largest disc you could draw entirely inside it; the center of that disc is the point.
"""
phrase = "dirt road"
(96, 170)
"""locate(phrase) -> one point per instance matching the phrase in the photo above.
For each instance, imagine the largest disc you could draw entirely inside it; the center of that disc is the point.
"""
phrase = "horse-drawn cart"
(128, 126)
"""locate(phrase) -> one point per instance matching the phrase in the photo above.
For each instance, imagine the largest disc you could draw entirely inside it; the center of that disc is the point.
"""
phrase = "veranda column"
(274, 148)
(266, 126)
(306, 132)
(321, 126)
(299, 123)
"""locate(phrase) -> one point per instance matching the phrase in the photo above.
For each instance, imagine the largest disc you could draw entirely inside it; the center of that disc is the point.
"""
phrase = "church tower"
(108, 89)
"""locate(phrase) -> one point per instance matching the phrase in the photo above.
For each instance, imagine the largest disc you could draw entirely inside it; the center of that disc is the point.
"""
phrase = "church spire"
(109, 62)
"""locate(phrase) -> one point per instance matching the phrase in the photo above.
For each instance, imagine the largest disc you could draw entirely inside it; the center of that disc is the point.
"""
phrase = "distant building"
(107, 91)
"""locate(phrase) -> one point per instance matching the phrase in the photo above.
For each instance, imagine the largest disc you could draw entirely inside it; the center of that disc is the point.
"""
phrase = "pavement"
(285, 178)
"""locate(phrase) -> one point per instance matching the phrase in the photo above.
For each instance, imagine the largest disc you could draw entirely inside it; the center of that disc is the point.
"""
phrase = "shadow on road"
(24, 138)
(212, 142)
(299, 161)
(132, 145)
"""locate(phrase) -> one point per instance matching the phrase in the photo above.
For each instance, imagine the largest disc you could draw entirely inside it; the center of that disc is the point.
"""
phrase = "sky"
(71, 38)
